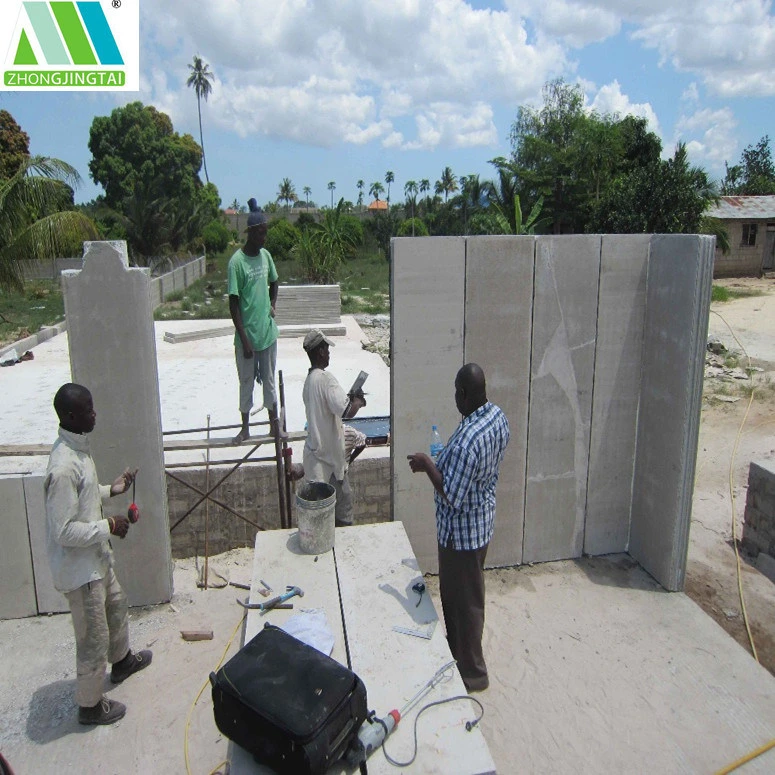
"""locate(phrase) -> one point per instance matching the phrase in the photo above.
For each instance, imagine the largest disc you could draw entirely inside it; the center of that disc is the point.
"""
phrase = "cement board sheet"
(428, 291)
(620, 320)
(498, 321)
(16, 577)
(563, 351)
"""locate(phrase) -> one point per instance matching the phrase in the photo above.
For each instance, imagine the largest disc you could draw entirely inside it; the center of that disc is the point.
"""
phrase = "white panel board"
(618, 355)
(564, 328)
(428, 287)
(498, 320)
(17, 582)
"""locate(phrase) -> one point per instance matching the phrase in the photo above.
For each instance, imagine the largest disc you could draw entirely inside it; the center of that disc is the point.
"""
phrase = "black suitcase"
(294, 708)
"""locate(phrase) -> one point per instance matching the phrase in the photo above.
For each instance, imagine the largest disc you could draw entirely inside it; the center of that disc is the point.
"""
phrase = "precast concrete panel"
(49, 600)
(563, 357)
(498, 320)
(618, 354)
(428, 300)
(17, 580)
(113, 353)
(677, 306)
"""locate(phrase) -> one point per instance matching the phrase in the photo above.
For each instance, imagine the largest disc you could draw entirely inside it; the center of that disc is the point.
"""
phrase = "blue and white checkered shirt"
(469, 464)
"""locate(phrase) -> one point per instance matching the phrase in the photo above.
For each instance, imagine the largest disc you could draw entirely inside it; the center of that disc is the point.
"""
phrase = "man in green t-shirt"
(252, 298)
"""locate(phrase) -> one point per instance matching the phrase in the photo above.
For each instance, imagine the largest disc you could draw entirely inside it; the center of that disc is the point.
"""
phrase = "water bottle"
(436, 443)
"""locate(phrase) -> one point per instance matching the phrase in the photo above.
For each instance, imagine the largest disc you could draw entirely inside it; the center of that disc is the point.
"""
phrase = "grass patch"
(23, 313)
(722, 293)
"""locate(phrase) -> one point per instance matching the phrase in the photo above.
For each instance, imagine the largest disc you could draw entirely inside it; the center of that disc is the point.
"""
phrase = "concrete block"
(766, 564)
(618, 354)
(677, 304)
(498, 321)
(113, 353)
(563, 351)
(17, 580)
(428, 292)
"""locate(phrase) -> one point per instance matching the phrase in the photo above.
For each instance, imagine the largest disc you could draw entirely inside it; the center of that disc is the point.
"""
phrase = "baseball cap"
(256, 218)
(314, 339)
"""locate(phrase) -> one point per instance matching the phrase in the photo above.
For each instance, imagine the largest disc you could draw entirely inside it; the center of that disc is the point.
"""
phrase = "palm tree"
(287, 192)
(410, 189)
(33, 222)
(307, 191)
(200, 78)
(446, 184)
(359, 185)
(376, 189)
(332, 188)
(389, 178)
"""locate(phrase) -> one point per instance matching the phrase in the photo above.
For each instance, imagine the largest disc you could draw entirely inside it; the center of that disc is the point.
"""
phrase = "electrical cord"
(469, 725)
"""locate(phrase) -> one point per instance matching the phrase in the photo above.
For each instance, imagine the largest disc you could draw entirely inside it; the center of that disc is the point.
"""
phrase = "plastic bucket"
(315, 507)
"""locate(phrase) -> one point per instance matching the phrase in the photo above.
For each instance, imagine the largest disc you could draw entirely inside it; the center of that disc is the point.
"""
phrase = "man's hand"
(247, 349)
(119, 526)
(123, 482)
(271, 311)
(358, 398)
(420, 463)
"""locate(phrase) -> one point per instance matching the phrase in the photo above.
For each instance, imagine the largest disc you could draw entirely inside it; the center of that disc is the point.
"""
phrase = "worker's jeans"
(99, 611)
(343, 513)
(461, 587)
(261, 368)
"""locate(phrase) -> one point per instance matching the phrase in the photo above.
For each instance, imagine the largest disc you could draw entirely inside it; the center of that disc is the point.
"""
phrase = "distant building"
(378, 205)
(750, 223)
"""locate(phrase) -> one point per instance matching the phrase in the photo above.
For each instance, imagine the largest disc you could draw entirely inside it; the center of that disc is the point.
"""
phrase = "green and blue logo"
(71, 45)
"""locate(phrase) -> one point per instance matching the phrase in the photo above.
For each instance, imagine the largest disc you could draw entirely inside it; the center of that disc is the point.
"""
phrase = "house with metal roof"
(750, 223)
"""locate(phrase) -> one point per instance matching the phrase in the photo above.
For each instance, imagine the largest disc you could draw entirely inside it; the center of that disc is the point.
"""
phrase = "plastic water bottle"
(436, 443)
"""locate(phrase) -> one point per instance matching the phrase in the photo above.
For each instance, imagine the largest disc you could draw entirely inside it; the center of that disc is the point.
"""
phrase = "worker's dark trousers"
(461, 584)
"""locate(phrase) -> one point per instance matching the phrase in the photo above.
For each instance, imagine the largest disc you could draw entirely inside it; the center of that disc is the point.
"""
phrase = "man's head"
(470, 389)
(316, 345)
(257, 228)
(252, 205)
(75, 409)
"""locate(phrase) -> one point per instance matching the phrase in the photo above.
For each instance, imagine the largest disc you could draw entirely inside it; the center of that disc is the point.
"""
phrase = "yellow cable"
(732, 494)
(747, 758)
(204, 686)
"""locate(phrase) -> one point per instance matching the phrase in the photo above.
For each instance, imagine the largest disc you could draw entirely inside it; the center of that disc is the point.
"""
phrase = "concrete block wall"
(742, 260)
(588, 343)
(759, 520)
(252, 491)
(177, 280)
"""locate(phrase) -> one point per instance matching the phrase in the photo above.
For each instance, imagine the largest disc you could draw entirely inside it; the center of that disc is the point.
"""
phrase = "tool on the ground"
(419, 588)
(281, 598)
(374, 731)
(239, 585)
(423, 631)
(251, 606)
(133, 514)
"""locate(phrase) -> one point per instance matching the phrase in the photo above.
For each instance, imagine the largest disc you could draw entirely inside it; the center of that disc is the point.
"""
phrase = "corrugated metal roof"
(737, 207)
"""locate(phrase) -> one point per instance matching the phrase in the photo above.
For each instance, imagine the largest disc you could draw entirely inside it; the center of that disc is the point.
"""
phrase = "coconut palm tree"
(287, 192)
(389, 178)
(201, 79)
(410, 190)
(307, 191)
(359, 185)
(332, 188)
(375, 189)
(34, 223)
(447, 184)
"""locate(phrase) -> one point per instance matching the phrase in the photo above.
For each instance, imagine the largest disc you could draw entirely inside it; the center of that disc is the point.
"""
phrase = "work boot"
(104, 712)
(131, 663)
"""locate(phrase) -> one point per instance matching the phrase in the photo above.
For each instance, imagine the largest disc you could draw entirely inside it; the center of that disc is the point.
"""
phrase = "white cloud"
(610, 99)
(453, 125)
(709, 136)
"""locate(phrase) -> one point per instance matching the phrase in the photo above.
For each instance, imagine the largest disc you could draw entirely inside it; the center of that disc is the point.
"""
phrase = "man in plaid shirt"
(464, 477)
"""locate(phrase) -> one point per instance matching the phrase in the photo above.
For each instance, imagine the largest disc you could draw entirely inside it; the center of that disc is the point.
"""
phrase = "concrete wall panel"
(563, 352)
(48, 599)
(498, 320)
(17, 580)
(618, 354)
(677, 304)
(428, 291)
(113, 353)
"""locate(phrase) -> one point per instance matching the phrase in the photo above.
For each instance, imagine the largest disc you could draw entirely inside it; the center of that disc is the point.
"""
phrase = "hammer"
(281, 598)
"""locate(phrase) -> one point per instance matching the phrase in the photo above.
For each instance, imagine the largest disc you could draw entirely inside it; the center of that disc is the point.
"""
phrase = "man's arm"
(356, 403)
(273, 296)
(236, 316)
(62, 514)
(420, 462)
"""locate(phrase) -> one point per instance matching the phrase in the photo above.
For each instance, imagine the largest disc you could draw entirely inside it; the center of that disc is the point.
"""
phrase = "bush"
(353, 228)
(305, 220)
(216, 236)
(281, 238)
(405, 228)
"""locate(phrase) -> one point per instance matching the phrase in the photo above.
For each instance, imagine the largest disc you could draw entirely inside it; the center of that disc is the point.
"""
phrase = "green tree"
(446, 184)
(281, 237)
(410, 190)
(307, 191)
(37, 219)
(412, 227)
(200, 79)
(375, 189)
(287, 192)
(359, 185)
(754, 175)
(14, 145)
(332, 188)
(389, 178)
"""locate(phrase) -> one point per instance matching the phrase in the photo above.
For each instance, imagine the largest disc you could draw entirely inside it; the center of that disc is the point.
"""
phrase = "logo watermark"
(86, 45)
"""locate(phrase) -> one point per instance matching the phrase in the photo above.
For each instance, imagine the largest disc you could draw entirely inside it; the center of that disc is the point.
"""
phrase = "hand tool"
(246, 604)
(281, 598)
(134, 513)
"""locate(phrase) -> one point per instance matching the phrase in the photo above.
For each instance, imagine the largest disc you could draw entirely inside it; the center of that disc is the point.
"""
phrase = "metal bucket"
(315, 507)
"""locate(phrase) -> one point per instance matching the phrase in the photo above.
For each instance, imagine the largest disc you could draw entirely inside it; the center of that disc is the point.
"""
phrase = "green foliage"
(382, 227)
(280, 239)
(305, 220)
(412, 227)
(353, 228)
(200, 79)
(25, 309)
(14, 145)
(36, 217)
(719, 293)
(754, 175)
(216, 236)
(286, 192)
(716, 228)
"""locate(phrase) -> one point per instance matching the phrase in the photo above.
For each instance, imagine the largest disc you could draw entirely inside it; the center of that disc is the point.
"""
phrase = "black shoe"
(476, 684)
(104, 712)
(131, 663)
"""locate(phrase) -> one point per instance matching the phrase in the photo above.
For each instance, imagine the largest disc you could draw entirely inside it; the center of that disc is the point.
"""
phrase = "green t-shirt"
(249, 278)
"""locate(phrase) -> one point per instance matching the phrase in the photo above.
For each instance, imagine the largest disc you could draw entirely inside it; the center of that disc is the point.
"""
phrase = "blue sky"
(322, 90)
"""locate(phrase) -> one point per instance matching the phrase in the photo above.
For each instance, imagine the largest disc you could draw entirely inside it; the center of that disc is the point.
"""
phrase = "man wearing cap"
(326, 403)
(252, 298)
